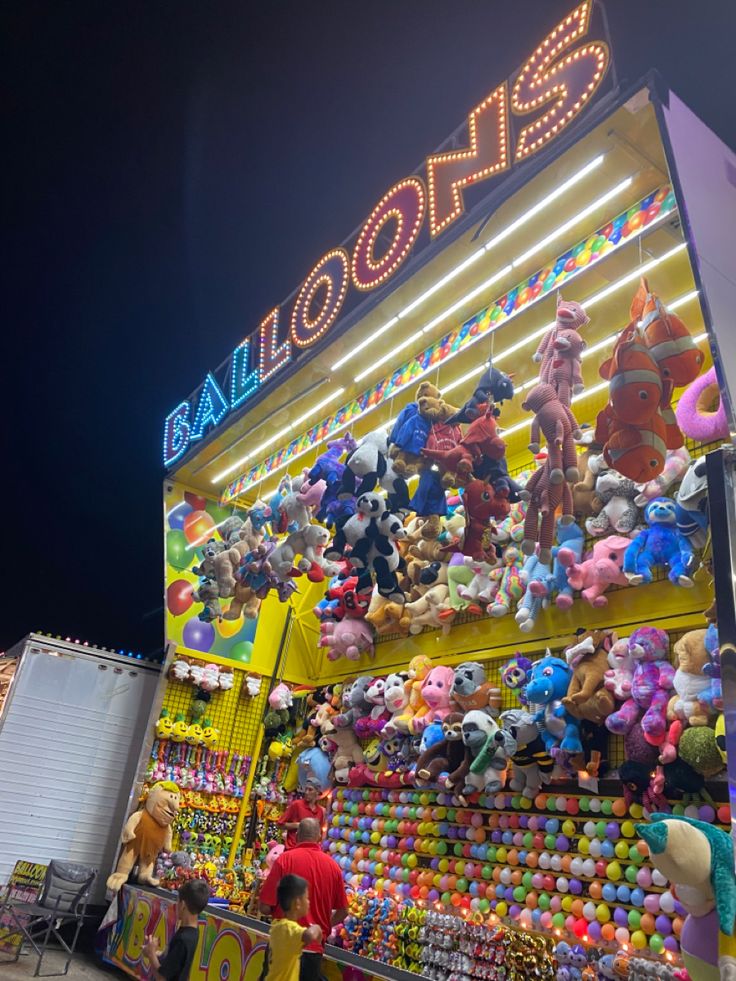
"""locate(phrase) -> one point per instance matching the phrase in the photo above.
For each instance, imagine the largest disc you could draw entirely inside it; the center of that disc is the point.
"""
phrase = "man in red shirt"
(300, 809)
(328, 904)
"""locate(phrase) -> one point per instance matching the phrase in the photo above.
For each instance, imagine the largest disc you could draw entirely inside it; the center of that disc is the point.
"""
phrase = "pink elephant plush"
(347, 638)
(600, 570)
(436, 691)
(651, 687)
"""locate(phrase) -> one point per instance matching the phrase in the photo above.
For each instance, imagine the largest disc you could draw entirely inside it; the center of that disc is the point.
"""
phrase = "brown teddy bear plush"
(423, 558)
(384, 615)
(413, 426)
(146, 833)
(689, 680)
(588, 657)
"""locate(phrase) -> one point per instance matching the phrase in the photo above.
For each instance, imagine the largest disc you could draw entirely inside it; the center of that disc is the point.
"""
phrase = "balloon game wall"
(193, 531)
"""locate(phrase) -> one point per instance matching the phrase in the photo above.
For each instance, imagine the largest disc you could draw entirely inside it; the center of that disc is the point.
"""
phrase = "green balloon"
(177, 554)
(217, 513)
(242, 651)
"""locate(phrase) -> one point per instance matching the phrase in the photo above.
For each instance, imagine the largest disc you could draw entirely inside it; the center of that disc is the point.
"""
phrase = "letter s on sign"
(567, 83)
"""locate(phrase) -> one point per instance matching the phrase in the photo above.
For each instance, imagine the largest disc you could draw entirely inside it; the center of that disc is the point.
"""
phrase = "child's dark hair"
(291, 887)
(195, 894)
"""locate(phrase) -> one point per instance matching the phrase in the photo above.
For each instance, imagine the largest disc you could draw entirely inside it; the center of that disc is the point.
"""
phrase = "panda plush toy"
(368, 541)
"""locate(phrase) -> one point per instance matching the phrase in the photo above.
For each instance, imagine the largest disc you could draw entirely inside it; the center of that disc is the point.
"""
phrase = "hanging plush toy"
(366, 464)
(618, 512)
(660, 544)
(535, 576)
(571, 538)
(470, 690)
(494, 387)
(515, 675)
(570, 316)
(565, 374)
(372, 534)
(698, 860)
(558, 425)
(692, 504)
(700, 413)
(600, 570)
(309, 542)
(349, 638)
(329, 469)
(481, 441)
(481, 505)
(675, 466)
(510, 585)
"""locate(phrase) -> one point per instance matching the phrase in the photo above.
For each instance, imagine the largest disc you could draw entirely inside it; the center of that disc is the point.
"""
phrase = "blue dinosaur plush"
(548, 684)
(660, 544)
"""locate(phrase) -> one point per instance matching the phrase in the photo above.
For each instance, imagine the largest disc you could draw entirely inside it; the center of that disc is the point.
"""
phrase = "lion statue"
(146, 833)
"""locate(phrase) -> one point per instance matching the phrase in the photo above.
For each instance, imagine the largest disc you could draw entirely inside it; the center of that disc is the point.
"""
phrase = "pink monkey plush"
(569, 315)
(565, 374)
(559, 427)
(651, 686)
(600, 570)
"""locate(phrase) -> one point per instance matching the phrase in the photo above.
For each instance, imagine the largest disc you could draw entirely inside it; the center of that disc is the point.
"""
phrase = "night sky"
(172, 171)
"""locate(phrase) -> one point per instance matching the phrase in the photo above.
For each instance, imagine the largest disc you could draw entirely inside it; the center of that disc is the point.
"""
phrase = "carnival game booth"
(456, 487)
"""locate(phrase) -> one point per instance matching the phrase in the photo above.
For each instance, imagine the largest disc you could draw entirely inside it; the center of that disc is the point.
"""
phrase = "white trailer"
(71, 728)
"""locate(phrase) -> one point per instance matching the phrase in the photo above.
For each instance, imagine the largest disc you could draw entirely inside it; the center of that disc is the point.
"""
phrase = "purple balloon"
(620, 917)
(663, 925)
(594, 930)
(576, 887)
(670, 943)
(197, 635)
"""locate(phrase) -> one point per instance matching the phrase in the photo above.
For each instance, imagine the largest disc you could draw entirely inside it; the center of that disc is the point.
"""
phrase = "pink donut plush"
(700, 412)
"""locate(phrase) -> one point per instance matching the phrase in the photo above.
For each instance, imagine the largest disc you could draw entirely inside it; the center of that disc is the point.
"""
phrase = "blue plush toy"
(569, 536)
(713, 695)
(314, 764)
(548, 684)
(660, 544)
(535, 574)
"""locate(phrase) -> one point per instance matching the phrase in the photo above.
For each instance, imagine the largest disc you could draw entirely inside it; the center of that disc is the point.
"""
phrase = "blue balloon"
(609, 892)
(533, 279)
(647, 201)
(615, 236)
(607, 849)
(637, 897)
(559, 266)
(177, 514)
(623, 894)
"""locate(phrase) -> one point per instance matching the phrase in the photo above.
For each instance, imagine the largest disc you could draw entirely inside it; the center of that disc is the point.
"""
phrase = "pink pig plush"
(436, 690)
(599, 571)
(347, 638)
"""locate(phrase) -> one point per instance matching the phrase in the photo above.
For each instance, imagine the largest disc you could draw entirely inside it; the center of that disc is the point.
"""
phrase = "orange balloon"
(198, 527)
(566, 862)
(608, 931)
(643, 848)
(513, 857)
(619, 808)
(677, 926)
(647, 924)
(577, 908)
(516, 877)
(595, 889)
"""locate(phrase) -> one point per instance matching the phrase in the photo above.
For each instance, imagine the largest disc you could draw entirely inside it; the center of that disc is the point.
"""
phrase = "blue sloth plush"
(660, 544)
(548, 684)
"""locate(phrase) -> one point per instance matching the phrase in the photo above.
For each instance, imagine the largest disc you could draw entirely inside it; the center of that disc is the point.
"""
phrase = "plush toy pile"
(414, 527)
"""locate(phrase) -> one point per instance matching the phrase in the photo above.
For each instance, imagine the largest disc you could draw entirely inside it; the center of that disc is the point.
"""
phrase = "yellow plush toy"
(146, 833)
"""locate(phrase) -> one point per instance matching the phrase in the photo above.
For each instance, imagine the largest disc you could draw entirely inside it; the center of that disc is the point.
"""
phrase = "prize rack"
(587, 212)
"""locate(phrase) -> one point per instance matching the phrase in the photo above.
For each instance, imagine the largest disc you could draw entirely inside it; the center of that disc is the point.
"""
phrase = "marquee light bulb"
(473, 257)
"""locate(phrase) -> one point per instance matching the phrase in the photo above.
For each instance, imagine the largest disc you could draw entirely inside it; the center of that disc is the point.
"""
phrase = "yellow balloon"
(229, 628)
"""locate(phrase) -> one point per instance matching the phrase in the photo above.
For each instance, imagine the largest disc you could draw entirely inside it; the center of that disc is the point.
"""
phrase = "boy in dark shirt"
(174, 965)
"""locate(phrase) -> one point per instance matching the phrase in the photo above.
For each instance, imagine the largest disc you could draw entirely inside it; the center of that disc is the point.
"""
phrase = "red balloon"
(179, 597)
(196, 501)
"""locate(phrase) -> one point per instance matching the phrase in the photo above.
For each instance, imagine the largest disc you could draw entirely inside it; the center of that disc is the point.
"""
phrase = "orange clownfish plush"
(668, 339)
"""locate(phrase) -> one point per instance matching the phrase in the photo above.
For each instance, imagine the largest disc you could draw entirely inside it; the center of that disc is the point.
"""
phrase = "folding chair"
(63, 900)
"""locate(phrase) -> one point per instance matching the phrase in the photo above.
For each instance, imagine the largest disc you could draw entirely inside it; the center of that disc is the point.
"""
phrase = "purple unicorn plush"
(650, 687)
(328, 468)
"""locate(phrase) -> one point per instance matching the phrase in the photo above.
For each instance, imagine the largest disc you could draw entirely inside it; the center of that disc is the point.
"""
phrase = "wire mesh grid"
(237, 718)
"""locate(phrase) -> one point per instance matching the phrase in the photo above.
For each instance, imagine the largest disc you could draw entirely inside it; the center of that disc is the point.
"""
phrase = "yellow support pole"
(238, 833)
